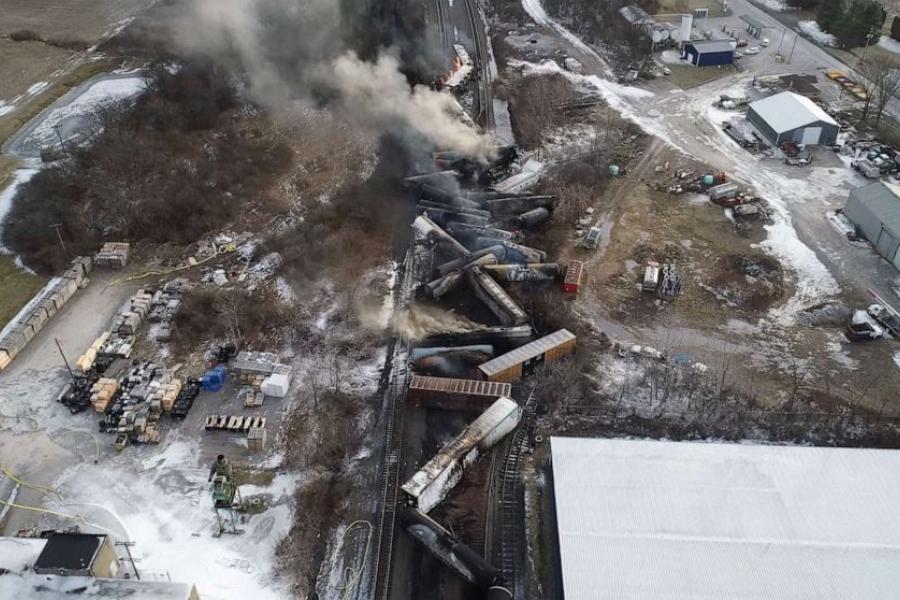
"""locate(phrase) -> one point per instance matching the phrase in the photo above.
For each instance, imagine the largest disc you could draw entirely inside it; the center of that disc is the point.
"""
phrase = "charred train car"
(430, 484)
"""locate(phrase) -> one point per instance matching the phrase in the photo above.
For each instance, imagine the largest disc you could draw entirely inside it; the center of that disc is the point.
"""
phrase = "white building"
(647, 520)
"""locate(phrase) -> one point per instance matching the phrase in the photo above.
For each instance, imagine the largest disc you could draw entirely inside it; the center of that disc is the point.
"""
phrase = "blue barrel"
(214, 380)
(708, 180)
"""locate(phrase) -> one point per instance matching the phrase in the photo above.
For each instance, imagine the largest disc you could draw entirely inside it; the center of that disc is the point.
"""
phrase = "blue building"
(705, 53)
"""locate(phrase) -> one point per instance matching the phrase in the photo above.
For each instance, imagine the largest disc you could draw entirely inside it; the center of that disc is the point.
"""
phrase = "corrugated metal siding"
(513, 359)
(760, 123)
(827, 137)
(874, 209)
(709, 59)
(459, 393)
(648, 520)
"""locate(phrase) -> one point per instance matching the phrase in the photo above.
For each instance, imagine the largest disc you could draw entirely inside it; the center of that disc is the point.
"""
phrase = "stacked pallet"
(41, 309)
(132, 314)
(169, 394)
(256, 438)
(236, 423)
(102, 393)
(113, 255)
(86, 361)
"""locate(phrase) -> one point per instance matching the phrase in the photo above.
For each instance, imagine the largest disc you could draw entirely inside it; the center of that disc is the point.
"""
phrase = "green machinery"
(226, 497)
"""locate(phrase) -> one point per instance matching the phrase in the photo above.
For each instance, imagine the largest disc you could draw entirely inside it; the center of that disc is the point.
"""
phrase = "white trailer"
(430, 485)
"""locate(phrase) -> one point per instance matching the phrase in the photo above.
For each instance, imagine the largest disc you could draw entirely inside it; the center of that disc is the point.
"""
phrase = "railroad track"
(485, 100)
(416, 264)
(508, 544)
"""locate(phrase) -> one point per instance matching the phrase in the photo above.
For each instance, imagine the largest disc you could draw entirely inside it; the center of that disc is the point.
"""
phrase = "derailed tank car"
(522, 361)
(430, 484)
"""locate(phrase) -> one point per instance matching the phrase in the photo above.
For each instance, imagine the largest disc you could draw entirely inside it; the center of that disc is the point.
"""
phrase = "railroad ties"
(511, 505)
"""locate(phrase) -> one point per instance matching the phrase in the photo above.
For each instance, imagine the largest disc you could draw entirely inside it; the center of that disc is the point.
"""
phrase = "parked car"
(752, 50)
(742, 43)
(764, 43)
(738, 54)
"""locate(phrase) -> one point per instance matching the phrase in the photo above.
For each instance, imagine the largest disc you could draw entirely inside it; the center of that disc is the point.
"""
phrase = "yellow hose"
(47, 490)
(229, 248)
(348, 587)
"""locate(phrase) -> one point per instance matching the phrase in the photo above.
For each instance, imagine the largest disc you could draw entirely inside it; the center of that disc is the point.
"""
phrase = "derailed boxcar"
(449, 393)
(517, 363)
(430, 485)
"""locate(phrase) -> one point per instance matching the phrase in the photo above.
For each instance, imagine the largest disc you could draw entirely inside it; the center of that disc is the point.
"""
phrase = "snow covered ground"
(811, 29)
(69, 116)
(20, 177)
(161, 501)
(889, 44)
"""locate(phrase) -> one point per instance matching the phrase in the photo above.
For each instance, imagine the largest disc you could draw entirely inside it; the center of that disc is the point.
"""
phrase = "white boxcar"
(428, 487)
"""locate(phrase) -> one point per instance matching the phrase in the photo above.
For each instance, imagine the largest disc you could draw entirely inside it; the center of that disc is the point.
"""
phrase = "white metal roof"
(787, 110)
(647, 520)
(712, 46)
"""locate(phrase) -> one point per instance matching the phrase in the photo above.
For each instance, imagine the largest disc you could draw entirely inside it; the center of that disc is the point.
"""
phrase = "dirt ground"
(25, 63)
(85, 20)
(18, 287)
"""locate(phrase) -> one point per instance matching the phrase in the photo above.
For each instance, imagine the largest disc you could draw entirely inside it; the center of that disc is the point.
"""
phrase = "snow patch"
(37, 88)
(536, 11)
(103, 92)
(897, 358)
(812, 30)
(20, 177)
(163, 504)
(889, 44)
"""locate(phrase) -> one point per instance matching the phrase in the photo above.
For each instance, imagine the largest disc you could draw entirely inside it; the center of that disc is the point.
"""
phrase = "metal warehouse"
(875, 210)
(790, 117)
(707, 53)
(648, 520)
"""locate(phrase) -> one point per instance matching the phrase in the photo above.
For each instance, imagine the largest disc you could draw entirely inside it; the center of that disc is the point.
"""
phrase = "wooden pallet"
(235, 423)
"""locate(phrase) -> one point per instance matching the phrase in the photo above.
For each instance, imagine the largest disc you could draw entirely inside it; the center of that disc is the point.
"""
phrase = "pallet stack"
(169, 393)
(102, 393)
(113, 255)
(86, 361)
(256, 438)
(40, 310)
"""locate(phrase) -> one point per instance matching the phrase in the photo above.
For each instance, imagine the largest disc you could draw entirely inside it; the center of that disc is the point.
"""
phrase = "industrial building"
(65, 566)
(790, 117)
(650, 520)
(875, 210)
(708, 53)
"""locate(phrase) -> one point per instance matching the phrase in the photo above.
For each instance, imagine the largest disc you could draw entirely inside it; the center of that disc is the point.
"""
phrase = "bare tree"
(887, 84)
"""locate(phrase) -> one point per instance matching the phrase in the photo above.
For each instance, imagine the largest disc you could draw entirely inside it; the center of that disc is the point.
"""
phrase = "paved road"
(31, 421)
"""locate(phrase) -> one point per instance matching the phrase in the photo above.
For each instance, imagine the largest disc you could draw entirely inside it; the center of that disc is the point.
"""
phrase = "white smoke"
(377, 95)
(287, 47)
(420, 321)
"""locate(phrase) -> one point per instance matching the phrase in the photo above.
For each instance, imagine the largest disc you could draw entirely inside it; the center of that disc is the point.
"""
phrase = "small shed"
(790, 117)
(875, 210)
(707, 53)
(85, 554)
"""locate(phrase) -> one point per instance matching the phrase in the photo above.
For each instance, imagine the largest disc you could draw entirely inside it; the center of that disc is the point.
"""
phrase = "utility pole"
(63, 354)
(62, 144)
(783, 31)
(792, 49)
(57, 227)
(127, 546)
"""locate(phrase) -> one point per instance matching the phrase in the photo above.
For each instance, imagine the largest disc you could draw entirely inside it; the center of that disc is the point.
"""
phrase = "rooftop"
(523, 353)
(69, 551)
(787, 110)
(30, 586)
(655, 520)
(704, 46)
(882, 199)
